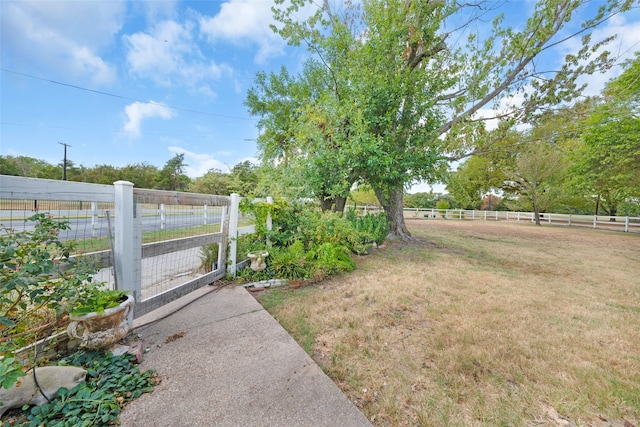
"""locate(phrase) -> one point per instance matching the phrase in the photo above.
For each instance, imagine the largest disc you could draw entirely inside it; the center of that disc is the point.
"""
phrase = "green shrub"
(298, 229)
(290, 262)
(330, 259)
(331, 227)
(374, 226)
(208, 256)
(442, 205)
(40, 281)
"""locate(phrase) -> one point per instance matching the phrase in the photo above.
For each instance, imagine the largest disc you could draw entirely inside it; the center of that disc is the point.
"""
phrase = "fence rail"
(627, 224)
(173, 225)
(604, 222)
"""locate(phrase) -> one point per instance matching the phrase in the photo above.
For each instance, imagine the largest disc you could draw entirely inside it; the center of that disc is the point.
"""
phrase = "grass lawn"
(481, 323)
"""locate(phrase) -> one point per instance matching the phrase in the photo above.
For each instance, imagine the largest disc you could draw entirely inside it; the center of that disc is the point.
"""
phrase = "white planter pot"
(100, 330)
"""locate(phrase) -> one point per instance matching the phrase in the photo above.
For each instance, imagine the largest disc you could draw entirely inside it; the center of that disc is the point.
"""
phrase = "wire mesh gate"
(178, 233)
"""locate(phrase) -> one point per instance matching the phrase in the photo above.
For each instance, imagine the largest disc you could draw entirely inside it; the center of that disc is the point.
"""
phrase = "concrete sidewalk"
(224, 361)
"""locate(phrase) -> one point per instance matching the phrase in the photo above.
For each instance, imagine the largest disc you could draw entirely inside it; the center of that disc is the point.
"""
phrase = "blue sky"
(139, 81)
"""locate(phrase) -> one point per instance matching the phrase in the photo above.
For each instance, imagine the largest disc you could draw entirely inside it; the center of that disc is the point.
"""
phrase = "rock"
(136, 350)
(50, 379)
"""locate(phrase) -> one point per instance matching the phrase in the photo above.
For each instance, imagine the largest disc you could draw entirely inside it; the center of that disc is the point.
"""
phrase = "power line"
(113, 95)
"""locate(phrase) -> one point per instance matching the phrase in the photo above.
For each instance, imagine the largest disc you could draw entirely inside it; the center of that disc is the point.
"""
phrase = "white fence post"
(626, 224)
(162, 216)
(269, 223)
(94, 218)
(205, 214)
(127, 247)
(233, 232)
(595, 221)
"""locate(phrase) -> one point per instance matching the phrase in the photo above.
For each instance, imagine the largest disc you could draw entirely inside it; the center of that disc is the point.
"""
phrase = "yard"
(481, 323)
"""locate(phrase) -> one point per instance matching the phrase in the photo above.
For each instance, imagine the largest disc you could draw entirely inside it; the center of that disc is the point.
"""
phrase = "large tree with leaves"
(607, 163)
(404, 81)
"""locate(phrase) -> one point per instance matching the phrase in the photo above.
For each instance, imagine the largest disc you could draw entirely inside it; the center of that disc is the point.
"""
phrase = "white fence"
(124, 203)
(616, 223)
(627, 224)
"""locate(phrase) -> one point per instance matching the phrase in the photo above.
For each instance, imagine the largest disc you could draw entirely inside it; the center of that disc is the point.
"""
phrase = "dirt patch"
(174, 337)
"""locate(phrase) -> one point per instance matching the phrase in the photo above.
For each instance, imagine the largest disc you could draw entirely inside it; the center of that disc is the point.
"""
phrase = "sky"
(124, 82)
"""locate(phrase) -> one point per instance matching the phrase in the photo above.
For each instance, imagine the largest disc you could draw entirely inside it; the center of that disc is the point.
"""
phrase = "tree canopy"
(393, 90)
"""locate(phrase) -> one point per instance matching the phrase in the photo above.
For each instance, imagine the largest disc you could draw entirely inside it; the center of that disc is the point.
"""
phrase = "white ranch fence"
(122, 213)
(604, 222)
(627, 224)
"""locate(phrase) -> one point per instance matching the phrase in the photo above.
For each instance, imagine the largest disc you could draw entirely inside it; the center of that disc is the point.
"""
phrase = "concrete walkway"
(224, 361)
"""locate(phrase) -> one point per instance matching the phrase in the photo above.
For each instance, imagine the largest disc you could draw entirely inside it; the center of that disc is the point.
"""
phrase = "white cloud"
(198, 164)
(139, 111)
(60, 36)
(242, 22)
(169, 55)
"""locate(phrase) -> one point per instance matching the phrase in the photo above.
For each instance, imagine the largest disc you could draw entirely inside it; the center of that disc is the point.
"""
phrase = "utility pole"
(64, 164)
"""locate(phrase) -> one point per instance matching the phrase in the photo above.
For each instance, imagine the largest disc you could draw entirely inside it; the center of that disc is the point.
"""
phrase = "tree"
(245, 176)
(535, 177)
(491, 202)
(404, 81)
(142, 175)
(172, 176)
(302, 132)
(102, 174)
(473, 179)
(214, 182)
(606, 163)
(28, 167)
(422, 200)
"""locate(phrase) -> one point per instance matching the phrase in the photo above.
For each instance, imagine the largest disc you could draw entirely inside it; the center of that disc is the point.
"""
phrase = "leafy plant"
(209, 256)
(111, 382)
(298, 229)
(41, 280)
(373, 226)
(94, 298)
(331, 259)
(290, 262)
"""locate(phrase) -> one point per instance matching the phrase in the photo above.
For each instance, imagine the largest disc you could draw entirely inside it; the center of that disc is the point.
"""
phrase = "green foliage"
(317, 228)
(330, 259)
(373, 226)
(40, 279)
(94, 298)
(305, 242)
(172, 176)
(387, 99)
(111, 382)
(208, 256)
(421, 200)
(442, 205)
(289, 262)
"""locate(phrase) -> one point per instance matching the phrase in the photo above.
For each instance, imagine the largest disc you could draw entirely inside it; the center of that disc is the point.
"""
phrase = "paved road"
(83, 228)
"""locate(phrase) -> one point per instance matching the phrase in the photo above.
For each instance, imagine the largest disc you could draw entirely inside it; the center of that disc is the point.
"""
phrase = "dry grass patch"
(481, 324)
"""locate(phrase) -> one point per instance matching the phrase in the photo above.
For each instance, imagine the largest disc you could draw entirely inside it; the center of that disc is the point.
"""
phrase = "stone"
(136, 350)
(50, 379)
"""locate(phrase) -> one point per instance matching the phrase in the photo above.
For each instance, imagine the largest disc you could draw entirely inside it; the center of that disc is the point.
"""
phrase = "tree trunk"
(335, 203)
(325, 202)
(392, 202)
